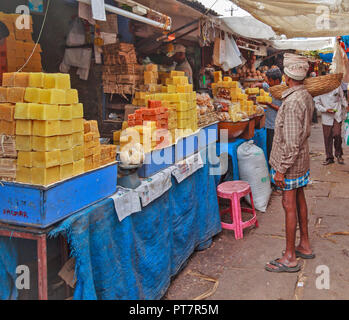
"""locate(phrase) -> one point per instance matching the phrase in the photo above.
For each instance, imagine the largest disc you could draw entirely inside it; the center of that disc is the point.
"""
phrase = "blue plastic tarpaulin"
(136, 258)
(8, 264)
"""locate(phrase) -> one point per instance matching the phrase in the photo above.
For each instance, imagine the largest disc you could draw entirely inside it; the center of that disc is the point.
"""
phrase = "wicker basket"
(316, 86)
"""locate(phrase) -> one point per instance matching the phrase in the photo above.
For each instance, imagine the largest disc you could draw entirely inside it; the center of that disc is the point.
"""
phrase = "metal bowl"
(235, 129)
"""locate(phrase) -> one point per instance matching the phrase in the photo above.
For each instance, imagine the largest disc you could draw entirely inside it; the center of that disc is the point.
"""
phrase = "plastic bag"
(340, 63)
(232, 56)
(219, 50)
(254, 170)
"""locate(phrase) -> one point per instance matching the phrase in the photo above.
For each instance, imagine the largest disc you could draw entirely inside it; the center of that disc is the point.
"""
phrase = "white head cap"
(179, 48)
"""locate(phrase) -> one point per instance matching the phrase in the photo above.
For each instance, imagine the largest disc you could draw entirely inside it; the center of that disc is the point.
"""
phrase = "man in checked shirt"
(290, 162)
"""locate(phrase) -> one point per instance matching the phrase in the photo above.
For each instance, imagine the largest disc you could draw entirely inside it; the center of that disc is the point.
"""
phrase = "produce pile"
(205, 110)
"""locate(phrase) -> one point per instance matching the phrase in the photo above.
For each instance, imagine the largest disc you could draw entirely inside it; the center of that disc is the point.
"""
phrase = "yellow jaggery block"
(15, 94)
(182, 123)
(50, 80)
(53, 96)
(44, 144)
(78, 167)
(92, 126)
(87, 151)
(23, 174)
(43, 111)
(78, 125)
(65, 142)
(36, 80)
(151, 67)
(46, 128)
(78, 139)
(77, 111)
(24, 127)
(45, 176)
(217, 76)
(88, 137)
(116, 136)
(66, 157)
(8, 79)
(46, 159)
(22, 111)
(65, 112)
(24, 143)
(62, 81)
(21, 79)
(78, 153)
(180, 80)
(252, 91)
(227, 79)
(182, 106)
(25, 159)
(180, 88)
(66, 127)
(88, 163)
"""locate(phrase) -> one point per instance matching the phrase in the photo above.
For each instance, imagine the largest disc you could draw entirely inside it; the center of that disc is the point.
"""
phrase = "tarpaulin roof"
(250, 27)
(301, 18)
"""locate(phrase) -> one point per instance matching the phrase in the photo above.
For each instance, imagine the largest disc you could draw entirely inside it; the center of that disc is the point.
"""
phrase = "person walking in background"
(290, 162)
(333, 107)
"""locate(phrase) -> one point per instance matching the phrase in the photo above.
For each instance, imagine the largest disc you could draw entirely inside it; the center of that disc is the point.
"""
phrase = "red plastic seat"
(234, 191)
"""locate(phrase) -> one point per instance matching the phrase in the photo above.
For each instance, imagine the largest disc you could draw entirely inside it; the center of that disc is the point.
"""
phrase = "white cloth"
(154, 187)
(187, 167)
(332, 100)
(126, 202)
(98, 10)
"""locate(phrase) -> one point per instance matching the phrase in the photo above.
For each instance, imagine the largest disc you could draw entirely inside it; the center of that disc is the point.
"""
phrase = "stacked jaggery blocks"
(92, 146)
(49, 126)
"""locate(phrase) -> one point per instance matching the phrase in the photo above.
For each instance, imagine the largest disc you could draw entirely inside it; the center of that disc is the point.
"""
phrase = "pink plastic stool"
(235, 190)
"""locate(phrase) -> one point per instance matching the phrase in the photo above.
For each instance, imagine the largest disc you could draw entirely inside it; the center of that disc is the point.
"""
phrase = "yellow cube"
(25, 159)
(32, 95)
(24, 127)
(23, 175)
(46, 159)
(45, 176)
(23, 143)
(43, 111)
(62, 81)
(44, 144)
(65, 112)
(66, 127)
(50, 80)
(22, 111)
(66, 157)
(78, 153)
(77, 111)
(65, 142)
(53, 96)
(71, 96)
(78, 125)
(78, 167)
(78, 139)
(46, 128)
(66, 171)
(36, 80)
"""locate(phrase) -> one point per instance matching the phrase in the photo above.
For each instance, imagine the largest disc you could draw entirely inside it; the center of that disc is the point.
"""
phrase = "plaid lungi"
(292, 184)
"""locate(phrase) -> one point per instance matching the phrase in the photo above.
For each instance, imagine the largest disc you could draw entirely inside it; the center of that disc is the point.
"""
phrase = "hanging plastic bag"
(232, 56)
(219, 50)
(254, 170)
(340, 63)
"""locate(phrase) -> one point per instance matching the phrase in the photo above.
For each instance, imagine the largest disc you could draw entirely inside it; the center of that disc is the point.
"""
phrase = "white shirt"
(332, 100)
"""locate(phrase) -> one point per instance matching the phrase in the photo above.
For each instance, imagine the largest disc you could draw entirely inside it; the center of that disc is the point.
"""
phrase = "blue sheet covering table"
(136, 258)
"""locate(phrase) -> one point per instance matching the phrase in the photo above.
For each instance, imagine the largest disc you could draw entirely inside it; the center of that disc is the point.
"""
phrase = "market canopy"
(301, 18)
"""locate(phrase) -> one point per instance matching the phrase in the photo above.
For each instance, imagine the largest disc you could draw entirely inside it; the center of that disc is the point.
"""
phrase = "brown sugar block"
(8, 79)
(21, 79)
(91, 126)
(3, 94)
(88, 137)
(8, 127)
(15, 94)
(7, 111)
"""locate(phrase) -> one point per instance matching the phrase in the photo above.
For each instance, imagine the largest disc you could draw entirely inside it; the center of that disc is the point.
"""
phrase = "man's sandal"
(282, 267)
(302, 255)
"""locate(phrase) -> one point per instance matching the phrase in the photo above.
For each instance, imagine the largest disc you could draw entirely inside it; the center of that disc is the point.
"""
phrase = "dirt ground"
(234, 269)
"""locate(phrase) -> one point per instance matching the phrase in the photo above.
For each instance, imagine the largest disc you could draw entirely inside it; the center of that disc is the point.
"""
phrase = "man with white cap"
(290, 162)
(182, 62)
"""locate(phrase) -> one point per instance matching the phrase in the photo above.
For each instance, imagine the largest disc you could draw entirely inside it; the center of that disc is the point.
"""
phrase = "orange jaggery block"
(15, 94)
(90, 126)
(21, 79)
(3, 94)
(88, 136)
(8, 79)
(7, 127)
(7, 111)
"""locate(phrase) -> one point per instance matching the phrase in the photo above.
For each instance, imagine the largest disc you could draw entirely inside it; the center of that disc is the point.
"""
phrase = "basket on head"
(316, 86)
